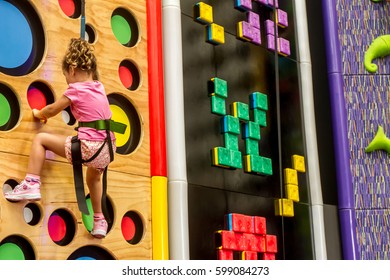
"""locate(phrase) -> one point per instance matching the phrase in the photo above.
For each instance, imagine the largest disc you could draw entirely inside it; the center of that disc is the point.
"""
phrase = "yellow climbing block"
(292, 192)
(215, 33)
(284, 207)
(203, 13)
(290, 176)
(298, 163)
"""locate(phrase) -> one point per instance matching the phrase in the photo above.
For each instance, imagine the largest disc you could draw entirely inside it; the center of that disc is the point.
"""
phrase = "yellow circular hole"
(119, 115)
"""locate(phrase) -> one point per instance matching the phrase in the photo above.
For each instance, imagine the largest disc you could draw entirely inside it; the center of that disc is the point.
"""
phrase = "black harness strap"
(77, 162)
(104, 193)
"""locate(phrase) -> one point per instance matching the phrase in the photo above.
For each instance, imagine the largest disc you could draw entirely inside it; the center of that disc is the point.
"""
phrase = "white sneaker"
(28, 189)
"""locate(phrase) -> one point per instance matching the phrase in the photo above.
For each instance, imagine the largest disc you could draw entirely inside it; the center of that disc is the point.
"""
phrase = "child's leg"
(42, 142)
(95, 188)
(29, 188)
(95, 192)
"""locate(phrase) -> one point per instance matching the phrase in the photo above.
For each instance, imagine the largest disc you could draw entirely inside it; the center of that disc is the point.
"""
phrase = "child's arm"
(52, 109)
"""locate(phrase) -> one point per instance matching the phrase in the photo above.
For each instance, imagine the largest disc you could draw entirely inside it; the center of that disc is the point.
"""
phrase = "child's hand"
(37, 114)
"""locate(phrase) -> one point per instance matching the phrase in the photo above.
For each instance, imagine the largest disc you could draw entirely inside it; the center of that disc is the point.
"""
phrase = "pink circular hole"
(56, 227)
(36, 98)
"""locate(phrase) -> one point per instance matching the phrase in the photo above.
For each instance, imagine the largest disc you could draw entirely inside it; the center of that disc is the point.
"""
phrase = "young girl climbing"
(88, 102)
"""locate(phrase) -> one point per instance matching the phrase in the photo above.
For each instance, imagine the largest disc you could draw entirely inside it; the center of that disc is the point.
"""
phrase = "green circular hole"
(16, 247)
(11, 251)
(88, 219)
(125, 27)
(121, 29)
(5, 110)
(9, 108)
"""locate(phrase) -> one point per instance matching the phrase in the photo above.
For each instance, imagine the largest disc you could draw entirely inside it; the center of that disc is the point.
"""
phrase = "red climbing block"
(259, 224)
(225, 239)
(242, 241)
(252, 242)
(268, 256)
(271, 244)
(239, 223)
(225, 254)
(260, 240)
(248, 255)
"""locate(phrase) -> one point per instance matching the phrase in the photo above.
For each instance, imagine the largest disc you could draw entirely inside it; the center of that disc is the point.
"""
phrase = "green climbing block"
(218, 105)
(260, 117)
(251, 130)
(248, 163)
(251, 146)
(240, 110)
(231, 141)
(258, 100)
(258, 165)
(221, 157)
(267, 166)
(236, 159)
(217, 86)
(230, 124)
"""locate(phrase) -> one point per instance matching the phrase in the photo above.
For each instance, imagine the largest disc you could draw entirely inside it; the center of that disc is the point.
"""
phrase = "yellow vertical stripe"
(160, 218)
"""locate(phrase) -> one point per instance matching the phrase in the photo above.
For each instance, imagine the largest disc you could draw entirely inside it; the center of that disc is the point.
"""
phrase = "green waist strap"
(104, 125)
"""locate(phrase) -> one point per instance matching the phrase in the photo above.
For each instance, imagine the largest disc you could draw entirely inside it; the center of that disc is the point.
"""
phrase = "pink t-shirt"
(89, 103)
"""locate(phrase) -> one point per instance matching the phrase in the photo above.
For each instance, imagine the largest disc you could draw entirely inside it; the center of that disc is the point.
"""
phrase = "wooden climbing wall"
(34, 42)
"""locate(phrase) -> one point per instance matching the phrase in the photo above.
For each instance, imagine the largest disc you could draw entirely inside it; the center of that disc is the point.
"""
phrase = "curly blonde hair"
(80, 54)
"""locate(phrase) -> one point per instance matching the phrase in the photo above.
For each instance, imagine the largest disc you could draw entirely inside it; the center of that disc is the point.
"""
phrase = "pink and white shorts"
(88, 149)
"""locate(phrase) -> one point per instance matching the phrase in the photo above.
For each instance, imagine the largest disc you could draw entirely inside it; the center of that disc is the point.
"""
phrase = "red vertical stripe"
(156, 89)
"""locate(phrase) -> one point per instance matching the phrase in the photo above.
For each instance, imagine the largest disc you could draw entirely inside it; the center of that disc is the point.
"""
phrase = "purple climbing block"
(284, 46)
(270, 42)
(270, 27)
(282, 18)
(245, 31)
(243, 5)
(253, 19)
(256, 36)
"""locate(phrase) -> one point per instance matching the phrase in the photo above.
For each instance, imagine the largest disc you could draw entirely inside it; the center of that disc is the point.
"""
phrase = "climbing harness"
(77, 160)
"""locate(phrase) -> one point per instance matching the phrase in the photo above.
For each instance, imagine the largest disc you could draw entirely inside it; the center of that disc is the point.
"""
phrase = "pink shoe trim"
(99, 228)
